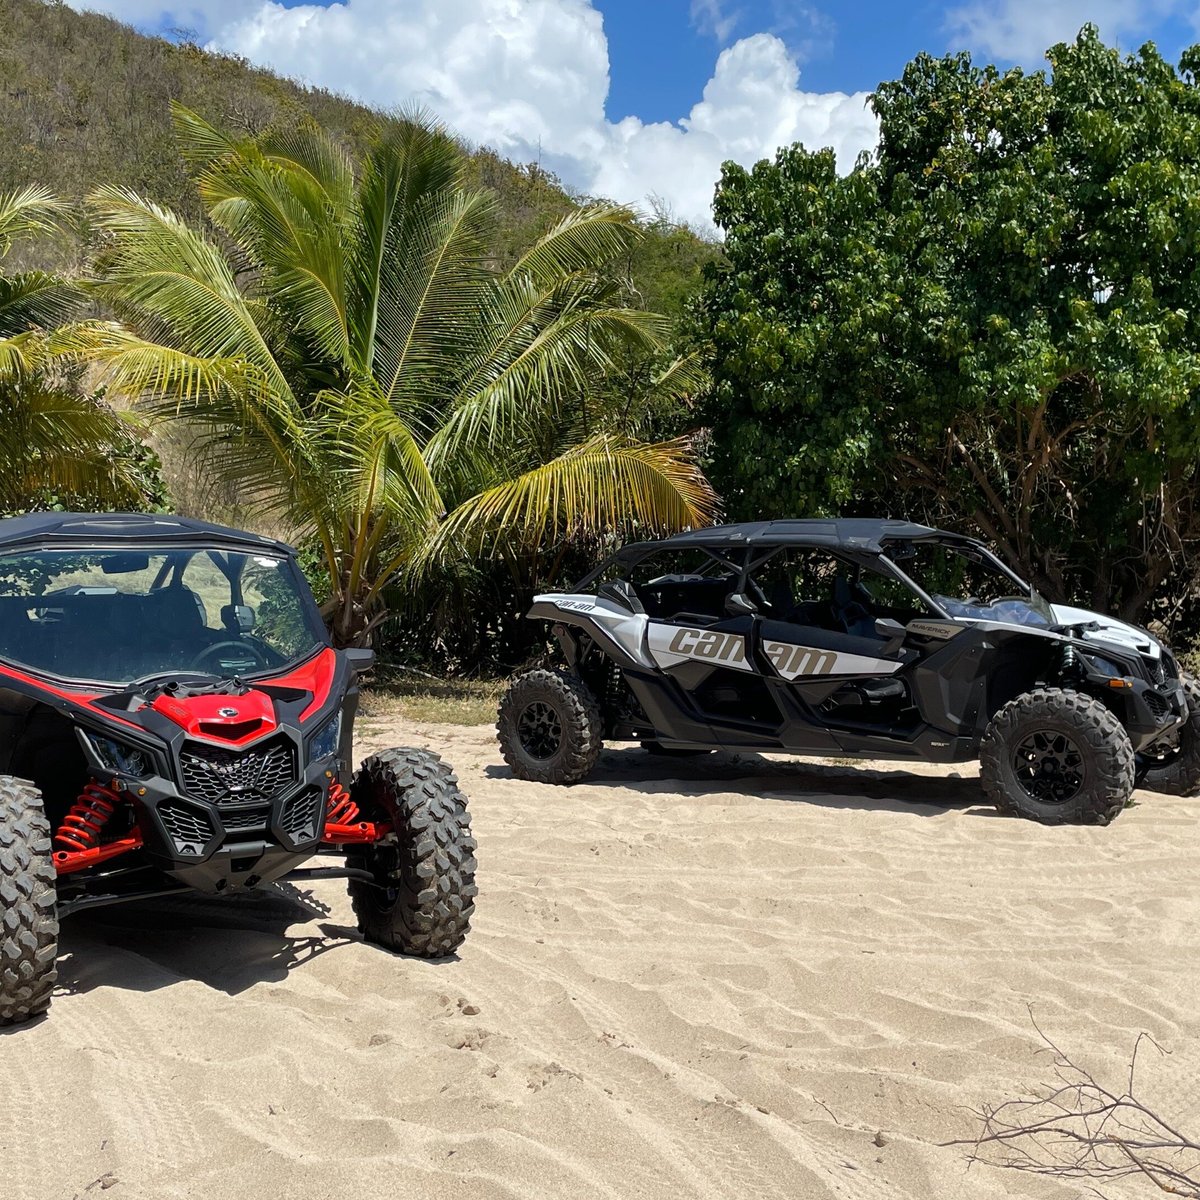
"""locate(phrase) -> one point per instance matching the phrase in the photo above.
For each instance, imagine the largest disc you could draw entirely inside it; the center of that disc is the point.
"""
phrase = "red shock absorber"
(342, 810)
(89, 814)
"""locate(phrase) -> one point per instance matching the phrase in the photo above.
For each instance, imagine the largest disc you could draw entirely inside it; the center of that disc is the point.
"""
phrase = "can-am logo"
(671, 645)
(700, 643)
(227, 712)
(791, 661)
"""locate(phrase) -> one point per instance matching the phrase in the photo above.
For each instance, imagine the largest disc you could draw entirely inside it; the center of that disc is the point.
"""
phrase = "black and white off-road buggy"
(173, 718)
(875, 639)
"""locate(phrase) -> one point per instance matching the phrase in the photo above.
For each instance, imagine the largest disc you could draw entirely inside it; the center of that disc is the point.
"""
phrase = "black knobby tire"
(1093, 780)
(424, 894)
(1179, 773)
(550, 727)
(28, 914)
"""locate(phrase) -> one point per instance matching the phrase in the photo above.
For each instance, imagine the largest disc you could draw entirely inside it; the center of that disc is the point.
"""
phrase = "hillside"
(84, 101)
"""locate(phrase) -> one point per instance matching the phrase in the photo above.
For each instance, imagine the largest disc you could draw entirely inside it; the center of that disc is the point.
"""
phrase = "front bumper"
(231, 817)
(1154, 711)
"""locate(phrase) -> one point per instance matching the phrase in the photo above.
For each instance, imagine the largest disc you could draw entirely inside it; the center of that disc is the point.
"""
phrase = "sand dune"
(687, 978)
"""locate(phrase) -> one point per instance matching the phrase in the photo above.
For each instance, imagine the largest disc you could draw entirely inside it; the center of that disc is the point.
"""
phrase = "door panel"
(721, 645)
(801, 651)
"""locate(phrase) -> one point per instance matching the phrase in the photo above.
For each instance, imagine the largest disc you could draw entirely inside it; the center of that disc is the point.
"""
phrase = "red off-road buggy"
(173, 718)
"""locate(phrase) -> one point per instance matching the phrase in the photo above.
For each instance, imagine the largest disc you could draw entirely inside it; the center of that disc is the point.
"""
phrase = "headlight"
(327, 739)
(1102, 667)
(117, 756)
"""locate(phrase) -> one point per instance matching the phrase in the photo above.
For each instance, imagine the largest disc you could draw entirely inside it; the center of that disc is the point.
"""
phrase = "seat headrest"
(176, 609)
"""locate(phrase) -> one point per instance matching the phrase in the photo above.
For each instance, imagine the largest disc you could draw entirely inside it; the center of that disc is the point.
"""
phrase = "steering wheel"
(198, 663)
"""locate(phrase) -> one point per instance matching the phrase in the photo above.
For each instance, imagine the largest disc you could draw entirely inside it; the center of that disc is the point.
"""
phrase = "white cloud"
(751, 106)
(1021, 31)
(713, 17)
(508, 73)
(530, 77)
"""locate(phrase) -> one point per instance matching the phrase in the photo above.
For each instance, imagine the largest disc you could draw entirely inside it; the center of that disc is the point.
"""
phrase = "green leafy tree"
(992, 321)
(58, 445)
(354, 359)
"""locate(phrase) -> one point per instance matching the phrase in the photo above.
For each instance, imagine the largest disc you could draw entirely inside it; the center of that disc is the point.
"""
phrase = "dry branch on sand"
(1078, 1128)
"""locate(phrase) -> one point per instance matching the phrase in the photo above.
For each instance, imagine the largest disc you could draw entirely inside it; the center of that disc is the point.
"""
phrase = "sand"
(687, 978)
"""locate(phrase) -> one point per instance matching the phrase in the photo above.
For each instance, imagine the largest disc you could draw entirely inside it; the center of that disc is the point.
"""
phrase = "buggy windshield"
(118, 616)
(968, 583)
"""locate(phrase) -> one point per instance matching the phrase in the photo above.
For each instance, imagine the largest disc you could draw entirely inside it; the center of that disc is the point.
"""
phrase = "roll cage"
(742, 555)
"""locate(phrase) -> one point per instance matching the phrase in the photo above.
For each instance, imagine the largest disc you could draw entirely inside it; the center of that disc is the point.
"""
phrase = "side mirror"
(892, 632)
(739, 605)
(361, 659)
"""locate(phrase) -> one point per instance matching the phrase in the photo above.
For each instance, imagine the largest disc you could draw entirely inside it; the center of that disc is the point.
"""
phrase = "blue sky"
(662, 55)
(642, 100)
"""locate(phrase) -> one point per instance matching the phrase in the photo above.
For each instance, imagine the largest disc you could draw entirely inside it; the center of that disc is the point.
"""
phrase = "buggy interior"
(803, 587)
(118, 617)
(844, 598)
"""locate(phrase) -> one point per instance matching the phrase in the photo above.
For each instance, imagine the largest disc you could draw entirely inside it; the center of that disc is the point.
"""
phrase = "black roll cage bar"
(742, 559)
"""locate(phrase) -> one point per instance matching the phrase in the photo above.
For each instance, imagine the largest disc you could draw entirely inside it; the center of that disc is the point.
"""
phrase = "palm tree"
(352, 357)
(56, 441)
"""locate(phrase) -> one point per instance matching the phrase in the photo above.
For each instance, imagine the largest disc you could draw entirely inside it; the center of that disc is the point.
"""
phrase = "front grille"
(1159, 706)
(303, 816)
(230, 776)
(251, 819)
(186, 825)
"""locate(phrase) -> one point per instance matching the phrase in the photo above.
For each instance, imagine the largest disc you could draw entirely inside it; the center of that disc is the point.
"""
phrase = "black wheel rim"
(540, 730)
(1049, 766)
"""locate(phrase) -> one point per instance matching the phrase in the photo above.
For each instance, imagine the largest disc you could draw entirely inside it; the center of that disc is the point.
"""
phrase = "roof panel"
(76, 529)
(850, 533)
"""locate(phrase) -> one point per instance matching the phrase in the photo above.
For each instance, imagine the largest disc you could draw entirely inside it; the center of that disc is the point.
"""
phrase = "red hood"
(253, 712)
(233, 719)
(199, 714)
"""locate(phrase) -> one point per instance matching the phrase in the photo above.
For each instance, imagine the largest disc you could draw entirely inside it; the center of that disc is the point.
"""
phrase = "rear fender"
(620, 633)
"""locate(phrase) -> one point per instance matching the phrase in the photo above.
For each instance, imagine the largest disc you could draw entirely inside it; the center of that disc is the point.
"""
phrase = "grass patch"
(441, 701)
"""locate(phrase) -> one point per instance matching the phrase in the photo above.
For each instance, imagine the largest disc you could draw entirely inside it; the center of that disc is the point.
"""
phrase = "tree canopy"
(355, 359)
(993, 321)
(59, 445)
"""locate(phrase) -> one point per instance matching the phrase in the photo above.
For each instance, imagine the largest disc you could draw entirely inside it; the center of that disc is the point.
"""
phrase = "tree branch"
(1079, 1128)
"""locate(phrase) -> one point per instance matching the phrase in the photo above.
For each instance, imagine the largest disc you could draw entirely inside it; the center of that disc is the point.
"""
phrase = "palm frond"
(377, 488)
(309, 151)
(200, 142)
(409, 180)
(430, 302)
(29, 210)
(583, 241)
(681, 379)
(291, 227)
(168, 382)
(160, 270)
(603, 485)
(376, 456)
(534, 373)
(22, 355)
(35, 299)
(59, 441)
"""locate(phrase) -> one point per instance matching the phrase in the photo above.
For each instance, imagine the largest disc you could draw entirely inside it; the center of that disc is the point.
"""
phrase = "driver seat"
(175, 616)
(850, 609)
